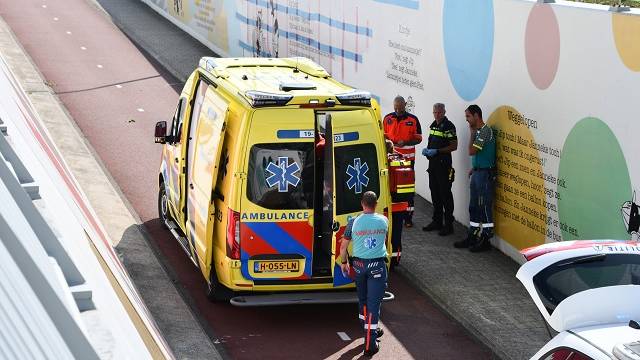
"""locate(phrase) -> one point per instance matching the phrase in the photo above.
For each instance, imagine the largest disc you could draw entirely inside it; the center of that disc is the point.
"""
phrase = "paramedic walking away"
(368, 231)
(404, 130)
(482, 148)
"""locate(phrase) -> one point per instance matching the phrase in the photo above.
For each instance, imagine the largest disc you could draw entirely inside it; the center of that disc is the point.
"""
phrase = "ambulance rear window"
(356, 169)
(280, 176)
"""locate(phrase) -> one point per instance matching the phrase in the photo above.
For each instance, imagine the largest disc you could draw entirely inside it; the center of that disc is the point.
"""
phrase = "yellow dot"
(626, 32)
(520, 204)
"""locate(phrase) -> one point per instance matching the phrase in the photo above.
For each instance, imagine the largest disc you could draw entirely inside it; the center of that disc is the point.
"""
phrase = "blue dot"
(468, 44)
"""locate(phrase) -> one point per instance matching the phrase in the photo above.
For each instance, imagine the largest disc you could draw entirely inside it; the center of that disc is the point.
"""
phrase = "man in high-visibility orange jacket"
(404, 130)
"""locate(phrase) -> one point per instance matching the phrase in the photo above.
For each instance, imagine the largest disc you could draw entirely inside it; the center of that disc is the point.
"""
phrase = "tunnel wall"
(559, 83)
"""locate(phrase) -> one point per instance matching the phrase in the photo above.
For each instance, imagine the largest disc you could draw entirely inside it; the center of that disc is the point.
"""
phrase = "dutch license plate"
(275, 266)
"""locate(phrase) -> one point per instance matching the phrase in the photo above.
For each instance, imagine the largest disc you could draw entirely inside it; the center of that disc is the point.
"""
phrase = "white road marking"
(119, 86)
(343, 335)
(68, 32)
(55, 19)
(44, 6)
(140, 110)
(83, 48)
(99, 66)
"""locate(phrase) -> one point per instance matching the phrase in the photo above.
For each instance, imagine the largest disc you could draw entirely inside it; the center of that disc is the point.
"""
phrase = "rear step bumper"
(301, 299)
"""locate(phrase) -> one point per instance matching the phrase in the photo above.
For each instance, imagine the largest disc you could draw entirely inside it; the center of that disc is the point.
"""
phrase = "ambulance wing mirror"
(161, 132)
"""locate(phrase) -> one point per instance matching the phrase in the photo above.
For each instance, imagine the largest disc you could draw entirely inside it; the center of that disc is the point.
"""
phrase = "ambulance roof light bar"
(261, 98)
(355, 97)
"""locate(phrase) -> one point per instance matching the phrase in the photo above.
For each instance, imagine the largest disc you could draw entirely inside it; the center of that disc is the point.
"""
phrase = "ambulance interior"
(323, 200)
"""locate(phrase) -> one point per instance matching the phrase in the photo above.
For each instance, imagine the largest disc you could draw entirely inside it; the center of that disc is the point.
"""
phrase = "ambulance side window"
(356, 171)
(178, 116)
(279, 175)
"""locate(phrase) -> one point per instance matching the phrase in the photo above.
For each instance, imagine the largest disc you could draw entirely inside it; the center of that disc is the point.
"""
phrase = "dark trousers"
(441, 195)
(482, 186)
(396, 236)
(371, 282)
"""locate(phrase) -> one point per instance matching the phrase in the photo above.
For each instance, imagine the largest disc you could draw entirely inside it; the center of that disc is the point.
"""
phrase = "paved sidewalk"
(478, 290)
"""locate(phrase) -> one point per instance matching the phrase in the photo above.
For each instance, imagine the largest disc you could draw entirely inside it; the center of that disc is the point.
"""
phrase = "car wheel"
(163, 207)
(216, 292)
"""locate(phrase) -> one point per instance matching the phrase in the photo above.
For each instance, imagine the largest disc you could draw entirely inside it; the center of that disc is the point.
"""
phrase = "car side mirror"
(161, 132)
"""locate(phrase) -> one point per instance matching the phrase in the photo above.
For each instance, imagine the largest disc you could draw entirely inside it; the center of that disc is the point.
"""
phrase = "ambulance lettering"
(275, 216)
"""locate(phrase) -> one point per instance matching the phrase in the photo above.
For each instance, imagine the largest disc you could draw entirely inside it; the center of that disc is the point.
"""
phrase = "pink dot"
(542, 45)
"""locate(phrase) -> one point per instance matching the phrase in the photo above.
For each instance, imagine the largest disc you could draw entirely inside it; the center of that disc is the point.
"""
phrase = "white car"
(589, 292)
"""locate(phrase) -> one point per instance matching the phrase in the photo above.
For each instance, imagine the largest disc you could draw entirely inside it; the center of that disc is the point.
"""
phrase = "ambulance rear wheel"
(163, 206)
(216, 292)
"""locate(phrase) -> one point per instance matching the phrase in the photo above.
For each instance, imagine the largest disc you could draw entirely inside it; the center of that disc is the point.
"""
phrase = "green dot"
(597, 183)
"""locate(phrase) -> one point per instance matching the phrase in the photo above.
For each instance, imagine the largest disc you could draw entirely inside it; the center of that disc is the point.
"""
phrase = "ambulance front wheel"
(217, 292)
(163, 207)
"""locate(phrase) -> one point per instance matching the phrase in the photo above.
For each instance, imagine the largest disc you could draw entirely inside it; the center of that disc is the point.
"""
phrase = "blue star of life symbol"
(283, 174)
(357, 175)
(370, 243)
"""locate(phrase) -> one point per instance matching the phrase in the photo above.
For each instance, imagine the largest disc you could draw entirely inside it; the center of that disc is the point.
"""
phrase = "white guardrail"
(63, 291)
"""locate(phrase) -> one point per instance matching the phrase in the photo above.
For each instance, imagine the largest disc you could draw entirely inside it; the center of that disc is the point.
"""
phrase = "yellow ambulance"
(263, 164)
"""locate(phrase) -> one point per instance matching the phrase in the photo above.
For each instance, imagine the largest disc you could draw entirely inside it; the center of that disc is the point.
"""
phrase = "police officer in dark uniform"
(442, 142)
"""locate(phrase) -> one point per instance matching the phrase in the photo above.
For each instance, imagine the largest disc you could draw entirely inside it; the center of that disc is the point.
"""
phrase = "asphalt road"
(116, 92)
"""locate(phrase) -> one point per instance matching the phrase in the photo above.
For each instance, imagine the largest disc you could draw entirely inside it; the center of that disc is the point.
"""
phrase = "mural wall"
(560, 82)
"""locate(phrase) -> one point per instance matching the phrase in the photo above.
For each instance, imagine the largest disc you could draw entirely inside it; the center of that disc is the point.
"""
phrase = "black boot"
(434, 225)
(482, 244)
(373, 349)
(447, 229)
(470, 240)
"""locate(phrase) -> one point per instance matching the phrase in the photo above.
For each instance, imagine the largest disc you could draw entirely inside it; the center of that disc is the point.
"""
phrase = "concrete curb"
(171, 313)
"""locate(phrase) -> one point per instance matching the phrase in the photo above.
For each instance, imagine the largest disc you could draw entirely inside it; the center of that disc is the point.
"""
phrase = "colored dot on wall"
(595, 183)
(514, 225)
(542, 45)
(468, 29)
(626, 32)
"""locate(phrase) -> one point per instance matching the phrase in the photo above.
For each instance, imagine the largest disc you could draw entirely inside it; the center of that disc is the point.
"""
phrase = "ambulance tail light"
(233, 235)
(261, 98)
(355, 97)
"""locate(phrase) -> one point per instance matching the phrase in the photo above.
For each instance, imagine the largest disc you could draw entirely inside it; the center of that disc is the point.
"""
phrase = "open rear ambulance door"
(352, 135)
(584, 283)
(204, 147)
(276, 221)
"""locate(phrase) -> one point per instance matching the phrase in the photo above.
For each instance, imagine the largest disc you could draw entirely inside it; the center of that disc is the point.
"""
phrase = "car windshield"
(571, 276)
